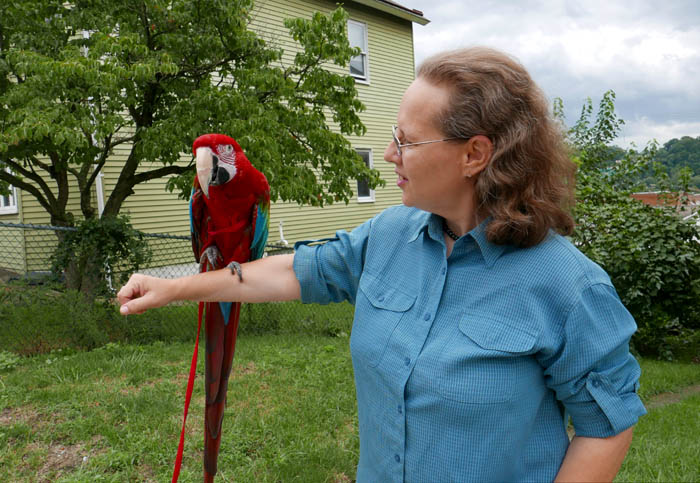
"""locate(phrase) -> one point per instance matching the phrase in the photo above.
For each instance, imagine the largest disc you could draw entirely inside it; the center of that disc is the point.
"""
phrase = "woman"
(478, 328)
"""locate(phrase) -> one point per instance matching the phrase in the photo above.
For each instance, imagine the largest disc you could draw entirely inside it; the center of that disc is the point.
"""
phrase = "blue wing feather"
(262, 228)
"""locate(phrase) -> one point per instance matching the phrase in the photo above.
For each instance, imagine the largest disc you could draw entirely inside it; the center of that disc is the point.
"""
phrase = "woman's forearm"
(270, 279)
(594, 459)
(266, 280)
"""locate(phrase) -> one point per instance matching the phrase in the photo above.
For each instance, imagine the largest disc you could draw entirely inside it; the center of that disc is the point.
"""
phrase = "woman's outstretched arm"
(269, 279)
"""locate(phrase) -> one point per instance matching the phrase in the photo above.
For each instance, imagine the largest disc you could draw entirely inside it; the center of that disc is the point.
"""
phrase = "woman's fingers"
(140, 294)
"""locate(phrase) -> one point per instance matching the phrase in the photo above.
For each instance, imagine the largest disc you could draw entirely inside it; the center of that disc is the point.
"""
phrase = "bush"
(89, 255)
(651, 254)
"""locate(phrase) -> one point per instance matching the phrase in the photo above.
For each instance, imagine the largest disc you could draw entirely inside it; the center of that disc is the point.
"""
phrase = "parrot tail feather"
(221, 344)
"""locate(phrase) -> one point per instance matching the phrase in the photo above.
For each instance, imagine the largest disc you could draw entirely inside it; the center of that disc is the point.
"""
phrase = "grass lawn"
(114, 414)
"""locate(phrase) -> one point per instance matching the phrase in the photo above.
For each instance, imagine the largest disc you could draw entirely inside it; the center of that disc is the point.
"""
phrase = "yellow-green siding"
(391, 70)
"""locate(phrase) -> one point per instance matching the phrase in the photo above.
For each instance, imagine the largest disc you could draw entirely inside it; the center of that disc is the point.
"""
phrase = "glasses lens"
(396, 141)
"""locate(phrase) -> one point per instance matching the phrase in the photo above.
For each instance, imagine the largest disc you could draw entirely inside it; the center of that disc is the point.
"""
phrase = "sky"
(647, 51)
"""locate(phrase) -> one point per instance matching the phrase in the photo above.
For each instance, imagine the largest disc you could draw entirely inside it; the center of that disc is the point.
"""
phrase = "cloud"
(649, 55)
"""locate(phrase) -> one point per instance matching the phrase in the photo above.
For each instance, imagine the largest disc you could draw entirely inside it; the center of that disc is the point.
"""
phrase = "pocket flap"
(493, 334)
(383, 296)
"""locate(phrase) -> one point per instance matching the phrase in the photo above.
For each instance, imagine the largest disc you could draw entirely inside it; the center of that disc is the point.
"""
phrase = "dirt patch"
(26, 414)
(247, 370)
(127, 390)
(59, 459)
(341, 478)
(666, 398)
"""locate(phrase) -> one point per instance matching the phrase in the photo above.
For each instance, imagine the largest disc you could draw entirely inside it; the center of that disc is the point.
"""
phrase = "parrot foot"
(235, 267)
(212, 255)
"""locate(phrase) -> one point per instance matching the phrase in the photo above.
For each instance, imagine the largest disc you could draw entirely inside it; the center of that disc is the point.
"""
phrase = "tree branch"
(29, 188)
(160, 172)
(32, 175)
(102, 160)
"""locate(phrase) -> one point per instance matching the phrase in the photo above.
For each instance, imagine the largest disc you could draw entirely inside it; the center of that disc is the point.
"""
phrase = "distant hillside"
(681, 152)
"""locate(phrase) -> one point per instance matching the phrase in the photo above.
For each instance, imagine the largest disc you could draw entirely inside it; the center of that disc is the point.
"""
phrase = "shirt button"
(444, 270)
(407, 361)
(400, 409)
(426, 317)
(596, 383)
(397, 458)
(381, 298)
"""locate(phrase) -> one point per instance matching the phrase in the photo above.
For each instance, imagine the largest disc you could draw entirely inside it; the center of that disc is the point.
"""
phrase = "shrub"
(651, 254)
(90, 254)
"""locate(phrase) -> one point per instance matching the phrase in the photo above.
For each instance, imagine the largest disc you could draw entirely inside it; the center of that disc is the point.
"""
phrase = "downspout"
(282, 240)
(99, 191)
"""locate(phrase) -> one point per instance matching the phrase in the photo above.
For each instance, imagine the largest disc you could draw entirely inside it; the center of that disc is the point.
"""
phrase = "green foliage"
(682, 154)
(650, 253)
(333, 320)
(39, 319)
(89, 255)
(80, 79)
(8, 360)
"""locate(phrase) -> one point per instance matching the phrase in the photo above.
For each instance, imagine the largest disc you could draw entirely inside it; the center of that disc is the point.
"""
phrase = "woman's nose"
(390, 153)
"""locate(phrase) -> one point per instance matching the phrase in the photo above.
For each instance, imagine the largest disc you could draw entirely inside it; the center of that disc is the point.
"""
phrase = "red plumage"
(229, 214)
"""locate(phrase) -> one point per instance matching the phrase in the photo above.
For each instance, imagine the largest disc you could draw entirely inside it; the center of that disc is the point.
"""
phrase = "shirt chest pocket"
(488, 361)
(378, 310)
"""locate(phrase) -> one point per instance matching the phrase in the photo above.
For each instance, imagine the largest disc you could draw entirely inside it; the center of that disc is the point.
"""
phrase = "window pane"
(356, 35)
(4, 201)
(357, 65)
(363, 190)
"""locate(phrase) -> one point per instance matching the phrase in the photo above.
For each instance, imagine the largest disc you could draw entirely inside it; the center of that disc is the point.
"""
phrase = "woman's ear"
(478, 152)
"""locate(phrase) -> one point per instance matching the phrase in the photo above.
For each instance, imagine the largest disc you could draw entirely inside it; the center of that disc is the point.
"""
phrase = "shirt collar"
(426, 222)
(433, 224)
(490, 251)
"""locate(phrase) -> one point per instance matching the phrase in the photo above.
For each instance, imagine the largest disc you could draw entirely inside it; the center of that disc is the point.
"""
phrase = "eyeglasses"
(399, 145)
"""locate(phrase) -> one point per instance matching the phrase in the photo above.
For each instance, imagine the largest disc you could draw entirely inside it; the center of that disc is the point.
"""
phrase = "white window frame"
(364, 53)
(369, 198)
(12, 208)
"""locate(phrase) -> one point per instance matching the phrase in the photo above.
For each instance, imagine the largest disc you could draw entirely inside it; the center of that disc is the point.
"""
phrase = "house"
(383, 29)
(657, 198)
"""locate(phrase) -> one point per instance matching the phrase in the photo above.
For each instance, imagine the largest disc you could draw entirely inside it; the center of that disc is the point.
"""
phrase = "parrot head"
(218, 158)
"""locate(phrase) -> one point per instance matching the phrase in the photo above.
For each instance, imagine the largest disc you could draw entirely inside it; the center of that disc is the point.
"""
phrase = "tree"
(651, 254)
(80, 79)
(679, 154)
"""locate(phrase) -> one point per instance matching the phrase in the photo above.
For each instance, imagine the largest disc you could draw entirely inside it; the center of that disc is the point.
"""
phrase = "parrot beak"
(205, 165)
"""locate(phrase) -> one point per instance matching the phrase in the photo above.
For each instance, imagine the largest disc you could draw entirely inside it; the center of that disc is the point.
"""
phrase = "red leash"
(188, 396)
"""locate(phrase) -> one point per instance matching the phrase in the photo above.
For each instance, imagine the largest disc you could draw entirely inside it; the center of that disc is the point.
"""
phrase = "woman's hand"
(142, 292)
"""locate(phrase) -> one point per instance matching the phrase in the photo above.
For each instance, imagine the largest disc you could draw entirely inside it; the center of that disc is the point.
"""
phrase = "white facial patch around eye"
(226, 154)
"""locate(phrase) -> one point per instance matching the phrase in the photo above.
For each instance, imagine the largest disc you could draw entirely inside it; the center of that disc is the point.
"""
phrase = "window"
(8, 203)
(364, 194)
(357, 36)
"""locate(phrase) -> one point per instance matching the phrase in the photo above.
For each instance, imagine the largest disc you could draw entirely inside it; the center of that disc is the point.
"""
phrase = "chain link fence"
(30, 291)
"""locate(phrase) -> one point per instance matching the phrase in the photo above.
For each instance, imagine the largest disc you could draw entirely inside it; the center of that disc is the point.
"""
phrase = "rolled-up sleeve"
(331, 272)
(593, 373)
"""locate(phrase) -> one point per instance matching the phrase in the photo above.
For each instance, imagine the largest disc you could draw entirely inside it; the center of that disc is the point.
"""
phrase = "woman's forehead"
(420, 106)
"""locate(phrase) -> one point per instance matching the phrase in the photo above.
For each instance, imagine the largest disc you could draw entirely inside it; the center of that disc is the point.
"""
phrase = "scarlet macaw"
(229, 220)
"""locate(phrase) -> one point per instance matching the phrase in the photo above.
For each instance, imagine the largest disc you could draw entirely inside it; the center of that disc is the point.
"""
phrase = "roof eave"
(396, 11)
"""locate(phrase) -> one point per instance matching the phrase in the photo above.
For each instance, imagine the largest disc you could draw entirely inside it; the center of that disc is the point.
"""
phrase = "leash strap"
(188, 396)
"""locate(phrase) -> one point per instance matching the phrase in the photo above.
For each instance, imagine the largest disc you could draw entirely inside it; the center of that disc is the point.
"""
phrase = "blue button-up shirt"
(466, 366)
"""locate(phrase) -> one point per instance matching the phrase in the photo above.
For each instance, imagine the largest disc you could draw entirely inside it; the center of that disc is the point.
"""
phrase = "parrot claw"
(235, 267)
(212, 255)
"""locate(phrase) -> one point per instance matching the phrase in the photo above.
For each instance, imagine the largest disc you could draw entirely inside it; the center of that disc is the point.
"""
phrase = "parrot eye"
(226, 149)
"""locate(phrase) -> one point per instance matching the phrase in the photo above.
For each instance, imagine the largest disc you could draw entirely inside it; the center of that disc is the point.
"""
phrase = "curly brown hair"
(528, 186)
